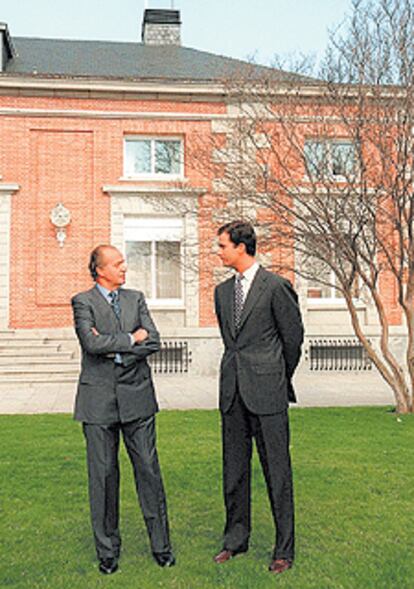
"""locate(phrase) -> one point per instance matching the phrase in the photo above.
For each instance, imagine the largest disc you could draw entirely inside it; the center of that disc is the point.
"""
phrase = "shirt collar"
(250, 273)
(104, 291)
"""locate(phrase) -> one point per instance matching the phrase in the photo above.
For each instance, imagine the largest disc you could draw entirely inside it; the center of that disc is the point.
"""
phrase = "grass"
(354, 484)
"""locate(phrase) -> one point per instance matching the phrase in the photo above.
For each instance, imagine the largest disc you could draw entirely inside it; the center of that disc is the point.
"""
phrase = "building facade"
(97, 146)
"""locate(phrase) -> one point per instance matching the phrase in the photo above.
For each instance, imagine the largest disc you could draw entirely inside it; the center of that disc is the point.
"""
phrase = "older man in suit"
(116, 394)
(261, 327)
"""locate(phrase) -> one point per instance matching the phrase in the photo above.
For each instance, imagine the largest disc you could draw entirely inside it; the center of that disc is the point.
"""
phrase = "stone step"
(29, 343)
(35, 357)
(22, 334)
(31, 379)
(69, 367)
(48, 359)
(35, 352)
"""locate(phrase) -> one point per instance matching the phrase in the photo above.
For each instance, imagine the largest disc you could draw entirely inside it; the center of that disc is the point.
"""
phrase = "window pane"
(343, 159)
(168, 274)
(138, 256)
(316, 157)
(317, 290)
(138, 156)
(167, 157)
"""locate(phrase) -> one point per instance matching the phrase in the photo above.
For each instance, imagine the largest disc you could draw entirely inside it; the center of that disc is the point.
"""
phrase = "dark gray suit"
(255, 387)
(118, 397)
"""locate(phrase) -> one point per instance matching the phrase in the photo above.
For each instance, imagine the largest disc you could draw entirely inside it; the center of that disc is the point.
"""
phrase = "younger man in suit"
(116, 394)
(261, 327)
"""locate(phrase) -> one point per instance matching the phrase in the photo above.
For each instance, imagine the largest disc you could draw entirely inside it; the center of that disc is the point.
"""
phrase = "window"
(153, 254)
(153, 157)
(318, 290)
(323, 288)
(333, 158)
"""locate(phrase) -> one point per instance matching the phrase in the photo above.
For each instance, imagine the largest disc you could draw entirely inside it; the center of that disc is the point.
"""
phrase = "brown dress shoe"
(224, 556)
(280, 565)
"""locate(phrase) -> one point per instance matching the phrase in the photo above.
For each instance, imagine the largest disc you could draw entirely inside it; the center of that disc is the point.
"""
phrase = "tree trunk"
(394, 377)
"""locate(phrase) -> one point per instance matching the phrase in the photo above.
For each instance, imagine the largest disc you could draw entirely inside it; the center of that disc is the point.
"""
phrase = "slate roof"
(127, 61)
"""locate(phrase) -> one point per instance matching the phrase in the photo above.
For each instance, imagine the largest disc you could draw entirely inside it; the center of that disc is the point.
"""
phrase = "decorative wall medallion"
(60, 218)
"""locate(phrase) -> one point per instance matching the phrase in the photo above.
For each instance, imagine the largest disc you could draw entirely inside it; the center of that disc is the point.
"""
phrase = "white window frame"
(152, 175)
(329, 143)
(332, 300)
(174, 231)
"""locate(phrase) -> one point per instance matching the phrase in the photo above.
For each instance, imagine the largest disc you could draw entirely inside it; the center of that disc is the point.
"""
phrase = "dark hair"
(95, 259)
(241, 232)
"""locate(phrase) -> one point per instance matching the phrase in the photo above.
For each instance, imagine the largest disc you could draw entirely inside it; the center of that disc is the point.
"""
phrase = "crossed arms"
(142, 342)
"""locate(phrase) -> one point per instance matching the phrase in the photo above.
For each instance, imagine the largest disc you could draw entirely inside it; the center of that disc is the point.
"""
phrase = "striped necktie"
(116, 307)
(238, 300)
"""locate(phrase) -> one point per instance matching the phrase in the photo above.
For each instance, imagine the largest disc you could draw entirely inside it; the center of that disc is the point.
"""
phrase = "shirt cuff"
(131, 337)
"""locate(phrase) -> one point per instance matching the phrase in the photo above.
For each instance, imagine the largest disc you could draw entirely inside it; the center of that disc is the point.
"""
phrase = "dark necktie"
(116, 307)
(238, 300)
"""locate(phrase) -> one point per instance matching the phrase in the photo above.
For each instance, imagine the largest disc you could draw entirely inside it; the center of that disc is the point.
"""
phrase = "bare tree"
(327, 165)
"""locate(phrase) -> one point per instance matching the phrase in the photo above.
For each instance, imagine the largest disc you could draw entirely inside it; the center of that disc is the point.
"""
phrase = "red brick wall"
(69, 160)
(64, 159)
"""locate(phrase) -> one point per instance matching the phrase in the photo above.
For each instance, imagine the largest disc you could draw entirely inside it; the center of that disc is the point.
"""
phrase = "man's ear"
(241, 248)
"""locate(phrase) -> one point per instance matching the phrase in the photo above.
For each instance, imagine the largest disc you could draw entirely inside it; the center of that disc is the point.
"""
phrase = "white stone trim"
(102, 114)
(6, 191)
(137, 200)
(221, 121)
(92, 86)
(167, 88)
(152, 191)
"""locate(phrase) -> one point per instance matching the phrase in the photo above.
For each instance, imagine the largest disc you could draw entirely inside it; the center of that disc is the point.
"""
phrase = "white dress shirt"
(247, 278)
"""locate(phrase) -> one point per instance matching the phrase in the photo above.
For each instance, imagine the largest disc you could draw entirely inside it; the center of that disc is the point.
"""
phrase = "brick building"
(96, 143)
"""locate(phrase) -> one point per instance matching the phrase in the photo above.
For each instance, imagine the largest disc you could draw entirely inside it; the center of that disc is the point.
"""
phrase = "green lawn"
(354, 484)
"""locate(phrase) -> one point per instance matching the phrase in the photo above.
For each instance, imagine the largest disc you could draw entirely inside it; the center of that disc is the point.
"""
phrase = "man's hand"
(140, 335)
(94, 331)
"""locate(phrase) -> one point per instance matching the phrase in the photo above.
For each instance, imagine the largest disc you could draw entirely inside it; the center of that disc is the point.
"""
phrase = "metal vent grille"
(174, 357)
(337, 355)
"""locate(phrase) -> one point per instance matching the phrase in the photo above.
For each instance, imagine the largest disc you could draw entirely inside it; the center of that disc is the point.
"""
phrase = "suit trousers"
(102, 443)
(271, 433)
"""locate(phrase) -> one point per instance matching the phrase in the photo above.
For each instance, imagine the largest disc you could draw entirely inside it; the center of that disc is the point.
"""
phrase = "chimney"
(161, 27)
(6, 46)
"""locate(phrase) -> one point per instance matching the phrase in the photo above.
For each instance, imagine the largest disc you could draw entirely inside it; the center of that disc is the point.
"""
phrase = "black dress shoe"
(107, 566)
(164, 559)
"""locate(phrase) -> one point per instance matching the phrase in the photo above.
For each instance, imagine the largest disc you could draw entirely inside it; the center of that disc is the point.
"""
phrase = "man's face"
(112, 269)
(229, 253)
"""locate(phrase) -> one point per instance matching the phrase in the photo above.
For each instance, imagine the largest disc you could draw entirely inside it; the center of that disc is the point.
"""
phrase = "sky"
(243, 29)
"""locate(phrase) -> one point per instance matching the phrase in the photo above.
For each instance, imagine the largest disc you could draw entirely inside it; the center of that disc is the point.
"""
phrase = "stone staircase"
(28, 357)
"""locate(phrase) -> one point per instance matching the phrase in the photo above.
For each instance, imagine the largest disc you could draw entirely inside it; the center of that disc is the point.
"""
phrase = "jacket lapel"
(125, 309)
(255, 291)
(228, 306)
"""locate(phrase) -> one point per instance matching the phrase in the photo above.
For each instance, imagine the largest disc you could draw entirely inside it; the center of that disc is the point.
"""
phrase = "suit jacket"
(104, 397)
(261, 357)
